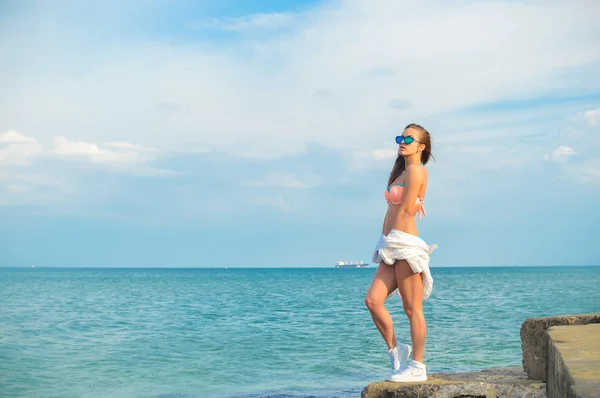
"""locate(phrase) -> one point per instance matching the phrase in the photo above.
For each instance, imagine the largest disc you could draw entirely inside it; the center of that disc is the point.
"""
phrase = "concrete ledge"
(574, 361)
(500, 383)
(534, 340)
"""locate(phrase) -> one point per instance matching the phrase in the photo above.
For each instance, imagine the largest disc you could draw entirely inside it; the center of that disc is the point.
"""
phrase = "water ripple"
(284, 333)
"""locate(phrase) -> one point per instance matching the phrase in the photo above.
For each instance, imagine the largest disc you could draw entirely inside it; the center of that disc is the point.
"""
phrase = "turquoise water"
(255, 332)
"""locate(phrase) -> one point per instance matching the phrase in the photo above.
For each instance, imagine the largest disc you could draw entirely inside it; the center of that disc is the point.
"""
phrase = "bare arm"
(408, 206)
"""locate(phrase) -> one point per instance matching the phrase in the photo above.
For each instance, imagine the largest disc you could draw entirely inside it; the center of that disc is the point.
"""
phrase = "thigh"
(410, 284)
(383, 284)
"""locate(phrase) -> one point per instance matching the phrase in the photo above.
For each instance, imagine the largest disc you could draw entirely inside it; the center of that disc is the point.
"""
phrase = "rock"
(534, 340)
(574, 361)
(500, 382)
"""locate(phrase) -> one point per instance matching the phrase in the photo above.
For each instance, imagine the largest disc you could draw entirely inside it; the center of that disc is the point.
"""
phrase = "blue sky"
(261, 134)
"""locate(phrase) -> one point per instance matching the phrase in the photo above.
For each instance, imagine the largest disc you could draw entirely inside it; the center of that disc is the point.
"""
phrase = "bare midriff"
(395, 220)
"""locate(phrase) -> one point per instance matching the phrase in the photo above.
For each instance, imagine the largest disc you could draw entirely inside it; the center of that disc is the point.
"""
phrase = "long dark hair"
(400, 163)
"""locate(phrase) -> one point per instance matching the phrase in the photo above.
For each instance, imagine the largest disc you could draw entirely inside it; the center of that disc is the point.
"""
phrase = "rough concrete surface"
(534, 340)
(574, 361)
(497, 383)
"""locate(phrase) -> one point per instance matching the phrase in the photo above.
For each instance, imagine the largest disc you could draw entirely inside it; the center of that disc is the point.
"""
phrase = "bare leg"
(410, 285)
(384, 283)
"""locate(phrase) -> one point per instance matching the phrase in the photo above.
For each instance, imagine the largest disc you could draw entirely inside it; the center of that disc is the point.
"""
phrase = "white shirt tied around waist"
(398, 245)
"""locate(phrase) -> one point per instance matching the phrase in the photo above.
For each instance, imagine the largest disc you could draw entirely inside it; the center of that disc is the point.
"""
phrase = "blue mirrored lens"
(407, 140)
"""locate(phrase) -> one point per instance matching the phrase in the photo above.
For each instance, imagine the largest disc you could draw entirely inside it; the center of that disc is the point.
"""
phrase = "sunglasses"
(407, 140)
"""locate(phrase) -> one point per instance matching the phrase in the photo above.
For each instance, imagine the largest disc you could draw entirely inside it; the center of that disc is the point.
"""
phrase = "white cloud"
(273, 20)
(584, 172)
(592, 117)
(560, 153)
(51, 184)
(360, 160)
(584, 134)
(591, 170)
(345, 75)
(268, 201)
(127, 145)
(278, 180)
(28, 186)
(578, 159)
(17, 149)
(384, 154)
(126, 157)
(152, 172)
(129, 153)
(12, 137)
(263, 96)
(16, 188)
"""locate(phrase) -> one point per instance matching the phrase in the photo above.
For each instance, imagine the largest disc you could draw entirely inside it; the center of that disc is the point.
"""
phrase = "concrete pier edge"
(560, 349)
(534, 339)
(573, 361)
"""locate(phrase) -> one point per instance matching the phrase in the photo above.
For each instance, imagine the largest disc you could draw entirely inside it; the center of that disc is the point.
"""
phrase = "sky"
(261, 133)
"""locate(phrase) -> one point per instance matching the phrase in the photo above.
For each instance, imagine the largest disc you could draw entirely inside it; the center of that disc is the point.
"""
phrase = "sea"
(256, 332)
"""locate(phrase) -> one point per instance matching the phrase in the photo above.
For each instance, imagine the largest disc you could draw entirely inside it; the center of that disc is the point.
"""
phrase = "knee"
(372, 303)
(411, 309)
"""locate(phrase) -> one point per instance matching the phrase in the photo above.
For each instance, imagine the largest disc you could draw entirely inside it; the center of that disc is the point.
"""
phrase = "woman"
(403, 256)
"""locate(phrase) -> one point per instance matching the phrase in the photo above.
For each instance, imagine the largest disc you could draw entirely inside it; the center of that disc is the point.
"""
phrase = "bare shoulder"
(416, 171)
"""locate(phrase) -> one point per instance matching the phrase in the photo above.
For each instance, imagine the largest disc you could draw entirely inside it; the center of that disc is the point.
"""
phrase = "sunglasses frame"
(401, 138)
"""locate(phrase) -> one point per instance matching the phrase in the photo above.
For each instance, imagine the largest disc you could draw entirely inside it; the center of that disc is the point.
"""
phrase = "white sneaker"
(399, 356)
(414, 371)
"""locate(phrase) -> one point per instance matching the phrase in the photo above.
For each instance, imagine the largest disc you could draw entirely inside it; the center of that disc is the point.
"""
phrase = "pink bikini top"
(394, 193)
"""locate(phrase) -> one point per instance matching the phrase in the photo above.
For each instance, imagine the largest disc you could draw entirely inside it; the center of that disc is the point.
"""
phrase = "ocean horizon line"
(273, 267)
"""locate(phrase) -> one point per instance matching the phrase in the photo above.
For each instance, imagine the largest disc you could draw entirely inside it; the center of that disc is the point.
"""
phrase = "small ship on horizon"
(351, 264)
